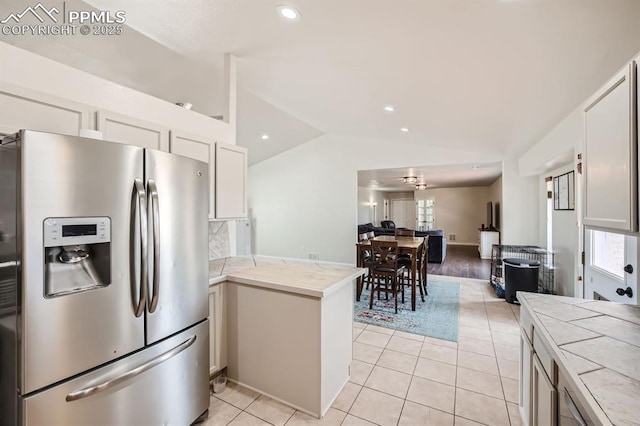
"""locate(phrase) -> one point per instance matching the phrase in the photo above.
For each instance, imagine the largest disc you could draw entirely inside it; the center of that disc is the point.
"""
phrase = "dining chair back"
(401, 232)
(386, 271)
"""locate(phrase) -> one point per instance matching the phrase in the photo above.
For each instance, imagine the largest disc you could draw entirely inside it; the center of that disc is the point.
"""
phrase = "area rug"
(436, 317)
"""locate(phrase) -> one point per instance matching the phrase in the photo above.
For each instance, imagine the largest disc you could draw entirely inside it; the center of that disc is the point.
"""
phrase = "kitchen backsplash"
(218, 240)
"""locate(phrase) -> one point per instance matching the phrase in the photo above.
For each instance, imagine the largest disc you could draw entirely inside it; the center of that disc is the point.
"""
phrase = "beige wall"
(366, 196)
(459, 211)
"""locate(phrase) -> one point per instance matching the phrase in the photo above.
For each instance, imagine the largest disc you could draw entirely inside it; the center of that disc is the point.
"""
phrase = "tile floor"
(399, 378)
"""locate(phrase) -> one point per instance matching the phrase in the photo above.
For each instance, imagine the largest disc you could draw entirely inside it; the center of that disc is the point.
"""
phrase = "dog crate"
(546, 281)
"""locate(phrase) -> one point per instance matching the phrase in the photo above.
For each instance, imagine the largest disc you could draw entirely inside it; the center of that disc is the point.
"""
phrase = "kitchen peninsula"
(288, 327)
(580, 361)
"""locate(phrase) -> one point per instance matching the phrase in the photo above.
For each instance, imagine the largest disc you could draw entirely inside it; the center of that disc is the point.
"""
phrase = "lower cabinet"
(217, 328)
(486, 241)
(543, 396)
(526, 353)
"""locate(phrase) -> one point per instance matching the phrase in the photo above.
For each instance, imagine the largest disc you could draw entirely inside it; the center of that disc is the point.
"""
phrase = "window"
(608, 252)
(425, 214)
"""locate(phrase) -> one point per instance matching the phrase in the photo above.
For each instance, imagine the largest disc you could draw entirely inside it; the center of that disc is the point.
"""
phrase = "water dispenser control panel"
(67, 231)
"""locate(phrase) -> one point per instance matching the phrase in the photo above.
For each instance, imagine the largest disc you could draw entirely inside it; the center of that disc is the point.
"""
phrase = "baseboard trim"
(456, 243)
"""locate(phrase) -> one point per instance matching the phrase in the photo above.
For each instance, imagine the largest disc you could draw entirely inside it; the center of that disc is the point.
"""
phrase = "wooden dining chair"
(401, 232)
(386, 272)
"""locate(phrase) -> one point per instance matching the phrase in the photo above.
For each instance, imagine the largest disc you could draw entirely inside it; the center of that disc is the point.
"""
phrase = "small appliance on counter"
(104, 287)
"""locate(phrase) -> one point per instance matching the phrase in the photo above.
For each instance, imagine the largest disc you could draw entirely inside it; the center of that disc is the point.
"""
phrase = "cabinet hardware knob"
(628, 269)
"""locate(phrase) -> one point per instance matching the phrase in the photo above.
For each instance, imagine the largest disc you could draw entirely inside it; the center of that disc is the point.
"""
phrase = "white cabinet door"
(123, 129)
(487, 240)
(217, 329)
(526, 352)
(198, 148)
(26, 109)
(543, 397)
(610, 167)
(230, 181)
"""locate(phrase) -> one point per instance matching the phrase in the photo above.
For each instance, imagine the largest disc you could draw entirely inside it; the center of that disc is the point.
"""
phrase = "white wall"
(459, 211)
(366, 212)
(305, 200)
(495, 196)
(519, 221)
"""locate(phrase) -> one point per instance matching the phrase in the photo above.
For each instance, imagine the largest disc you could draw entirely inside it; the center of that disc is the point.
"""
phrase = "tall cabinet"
(611, 154)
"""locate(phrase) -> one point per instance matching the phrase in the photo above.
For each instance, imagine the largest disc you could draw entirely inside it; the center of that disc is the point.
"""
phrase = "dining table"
(406, 245)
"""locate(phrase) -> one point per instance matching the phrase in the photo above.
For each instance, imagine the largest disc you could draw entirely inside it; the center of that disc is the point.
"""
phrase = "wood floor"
(462, 261)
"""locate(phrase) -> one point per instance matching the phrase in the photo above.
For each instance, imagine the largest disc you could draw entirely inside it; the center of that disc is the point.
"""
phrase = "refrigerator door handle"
(141, 208)
(155, 215)
(111, 382)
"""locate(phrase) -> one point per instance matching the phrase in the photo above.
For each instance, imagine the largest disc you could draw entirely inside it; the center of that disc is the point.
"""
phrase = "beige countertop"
(598, 343)
(311, 278)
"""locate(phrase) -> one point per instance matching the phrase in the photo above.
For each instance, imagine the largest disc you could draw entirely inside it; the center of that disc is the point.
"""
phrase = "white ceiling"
(494, 75)
(446, 176)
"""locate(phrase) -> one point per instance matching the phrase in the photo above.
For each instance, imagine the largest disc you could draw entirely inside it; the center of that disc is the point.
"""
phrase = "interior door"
(178, 194)
(611, 266)
(69, 177)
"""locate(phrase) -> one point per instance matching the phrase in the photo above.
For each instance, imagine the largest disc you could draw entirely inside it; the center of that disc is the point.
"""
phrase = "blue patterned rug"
(436, 317)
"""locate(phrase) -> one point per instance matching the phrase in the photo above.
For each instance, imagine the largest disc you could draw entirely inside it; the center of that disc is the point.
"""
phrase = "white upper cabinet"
(230, 181)
(610, 172)
(26, 109)
(198, 148)
(121, 128)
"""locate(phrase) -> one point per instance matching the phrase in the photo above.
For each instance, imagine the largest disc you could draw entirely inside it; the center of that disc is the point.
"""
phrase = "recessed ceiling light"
(289, 13)
(389, 108)
(265, 137)
(404, 129)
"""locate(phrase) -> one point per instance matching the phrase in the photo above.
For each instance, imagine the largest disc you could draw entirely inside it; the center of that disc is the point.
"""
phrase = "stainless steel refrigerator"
(104, 276)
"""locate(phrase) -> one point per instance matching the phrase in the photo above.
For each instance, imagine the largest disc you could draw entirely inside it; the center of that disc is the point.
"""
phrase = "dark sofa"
(436, 251)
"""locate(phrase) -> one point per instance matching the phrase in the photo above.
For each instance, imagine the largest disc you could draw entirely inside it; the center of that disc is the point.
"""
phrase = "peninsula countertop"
(311, 278)
(598, 343)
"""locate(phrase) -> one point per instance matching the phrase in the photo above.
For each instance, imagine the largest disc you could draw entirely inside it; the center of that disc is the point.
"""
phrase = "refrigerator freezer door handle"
(155, 214)
(141, 208)
(111, 382)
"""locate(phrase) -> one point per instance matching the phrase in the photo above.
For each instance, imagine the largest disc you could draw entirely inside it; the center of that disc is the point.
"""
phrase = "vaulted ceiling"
(491, 75)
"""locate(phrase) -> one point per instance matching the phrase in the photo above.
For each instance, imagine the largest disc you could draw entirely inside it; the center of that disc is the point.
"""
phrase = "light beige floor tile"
(366, 353)
(355, 333)
(486, 364)
(473, 323)
(509, 369)
(373, 338)
(461, 421)
(435, 370)
(441, 342)
(511, 390)
(407, 346)
(270, 410)
(398, 361)
(360, 371)
(220, 412)
(476, 381)
(476, 346)
(481, 408)
(347, 395)
(416, 414)
(411, 336)
(332, 418)
(389, 381)
(514, 414)
(237, 395)
(506, 339)
(246, 419)
(357, 324)
(511, 353)
(377, 407)
(379, 329)
(475, 333)
(439, 353)
(356, 421)
(433, 394)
